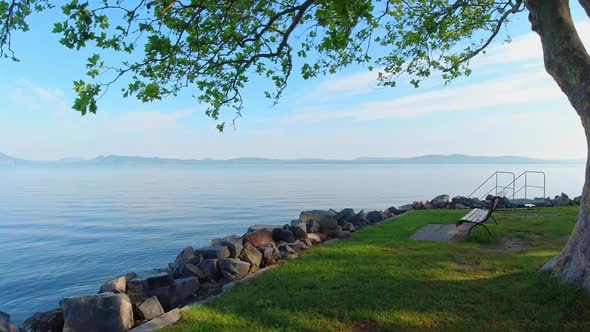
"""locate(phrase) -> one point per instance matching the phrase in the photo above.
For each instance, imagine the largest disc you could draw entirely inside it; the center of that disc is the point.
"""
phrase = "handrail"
(512, 185)
(496, 187)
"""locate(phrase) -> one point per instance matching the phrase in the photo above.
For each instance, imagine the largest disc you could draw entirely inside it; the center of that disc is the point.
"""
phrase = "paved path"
(441, 233)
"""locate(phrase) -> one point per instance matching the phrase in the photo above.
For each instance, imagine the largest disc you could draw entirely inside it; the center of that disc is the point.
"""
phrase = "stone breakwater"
(134, 298)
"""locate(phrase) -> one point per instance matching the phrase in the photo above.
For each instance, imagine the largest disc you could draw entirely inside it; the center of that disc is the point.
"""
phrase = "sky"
(508, 106)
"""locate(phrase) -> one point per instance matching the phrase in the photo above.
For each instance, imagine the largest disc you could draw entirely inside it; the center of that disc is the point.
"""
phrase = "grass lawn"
(379, 279)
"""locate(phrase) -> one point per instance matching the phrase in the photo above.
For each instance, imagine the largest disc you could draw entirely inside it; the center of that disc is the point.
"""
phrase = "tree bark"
(568, 62)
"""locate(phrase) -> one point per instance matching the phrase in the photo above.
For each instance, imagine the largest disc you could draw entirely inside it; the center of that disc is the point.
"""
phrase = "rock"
(345, 215)
(548, 202)
(259, 237)
(440, 201)
(150, 309)
(343, 234)
(4, 322)
(314, 237)
(349, 227)
(323, 237)
(460, 200)
(460, 206)
(418, 205)
(49, 321)
(117, 285)
(393, 210)
(232, 268)
(260, 227)
(233, 242)
(97, 313)
(269, 252)
(299, 231)
(208, 270)
(359, 218)
(298, 246)
(428, 206)
(578, 200)
(283, 234)
(327, 220)
(562, 200)
(286, 249)
(251, 255)
(177, 294)
(474, 202)
(312, 226)
(187, 255)
(405, 208)
(145, 284)
(213, 252)
(374, 216)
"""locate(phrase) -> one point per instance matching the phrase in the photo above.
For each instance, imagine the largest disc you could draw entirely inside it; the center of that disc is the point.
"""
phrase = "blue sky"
(508, 106)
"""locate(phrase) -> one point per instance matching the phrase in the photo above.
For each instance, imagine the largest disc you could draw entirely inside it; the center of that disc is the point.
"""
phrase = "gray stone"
(97, 313)
(283, 234)
(374, 216)
(349, 227)
(208, 270)
(345, 215)
(393, 210)
(327, 220)
(314, 237)
(548, 202)
(578, 200)
(298, 246)
(145, 283)
(4, 322)
(285, 248)
(440, 201)
(233, 242)
(359, 218)
(405, 208)
(504, 203)
(343, 234)
(213, 252)
(562, 200)
(269, 252)
(151, 308)
(49, 321)
(251, 255)
(117, 285)
(474, 202)
(460, 200)
(312, 226)
(254, 228)
(177, 294)
(232, 268)
(299, 231)
(460, 206)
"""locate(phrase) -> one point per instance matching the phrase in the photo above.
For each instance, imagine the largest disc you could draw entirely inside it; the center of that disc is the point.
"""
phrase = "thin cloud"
(33, 97)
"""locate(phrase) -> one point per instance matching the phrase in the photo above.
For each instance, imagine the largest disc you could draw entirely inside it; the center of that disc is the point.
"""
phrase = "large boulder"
(149, 309)
(232, 268)
(460, 200)
(97, 313)
(312, 226)
(49, 321)
(562, 200)
(213, 252)
(270, 253)
(440, 201)
(345, 215)
(393, 210)
(173, 296)
(145, 284)
(251, 255)
(233, 242)
(299, 231)
(205, 270)
(328, 220)
(475, 202)
(283, 234)
(4, 322)
(374, 216)
(504, 203)
(254, 228)
(298, 245)
(405, 208)
(349, 227)
(259, 237)
(359, 219)
(117, 285)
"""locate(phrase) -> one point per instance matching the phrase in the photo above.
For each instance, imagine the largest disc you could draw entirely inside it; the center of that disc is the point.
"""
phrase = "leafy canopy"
(212, 47)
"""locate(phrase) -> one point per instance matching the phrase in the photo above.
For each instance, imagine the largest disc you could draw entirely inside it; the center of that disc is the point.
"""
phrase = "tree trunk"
(567, 61)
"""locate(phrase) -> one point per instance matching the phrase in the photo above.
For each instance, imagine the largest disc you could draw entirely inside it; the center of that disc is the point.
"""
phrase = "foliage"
(381, 279)
(213, 47)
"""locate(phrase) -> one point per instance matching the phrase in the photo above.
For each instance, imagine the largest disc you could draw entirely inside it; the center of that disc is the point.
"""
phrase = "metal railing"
(502, 190)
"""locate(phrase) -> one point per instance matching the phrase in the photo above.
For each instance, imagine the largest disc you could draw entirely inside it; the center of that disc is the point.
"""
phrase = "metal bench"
(478, 217)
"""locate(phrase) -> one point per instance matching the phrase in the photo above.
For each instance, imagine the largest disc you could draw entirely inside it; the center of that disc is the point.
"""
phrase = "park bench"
(478, 217)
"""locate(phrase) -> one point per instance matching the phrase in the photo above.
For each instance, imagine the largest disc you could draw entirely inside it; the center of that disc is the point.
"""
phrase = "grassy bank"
(381, 279)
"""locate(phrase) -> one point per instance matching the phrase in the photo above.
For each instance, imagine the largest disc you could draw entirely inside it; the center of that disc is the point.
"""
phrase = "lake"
(66, 230)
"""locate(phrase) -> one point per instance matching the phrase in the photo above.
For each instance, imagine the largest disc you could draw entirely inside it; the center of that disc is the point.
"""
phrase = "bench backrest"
(493, 205)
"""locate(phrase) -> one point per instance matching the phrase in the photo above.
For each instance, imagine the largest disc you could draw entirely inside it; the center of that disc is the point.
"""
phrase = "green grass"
(380, 278)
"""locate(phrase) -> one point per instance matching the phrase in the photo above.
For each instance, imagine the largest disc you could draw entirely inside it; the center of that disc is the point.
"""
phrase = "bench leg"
(494, 219)
(474, 225)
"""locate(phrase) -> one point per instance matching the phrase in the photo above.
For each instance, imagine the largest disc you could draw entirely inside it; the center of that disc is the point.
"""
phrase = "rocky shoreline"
(196, 274)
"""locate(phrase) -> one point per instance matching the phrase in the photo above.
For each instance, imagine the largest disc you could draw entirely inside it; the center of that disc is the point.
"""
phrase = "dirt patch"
(465, 266)
(508, 244)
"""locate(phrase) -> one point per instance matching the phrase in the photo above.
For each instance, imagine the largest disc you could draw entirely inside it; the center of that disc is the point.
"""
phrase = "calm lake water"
(64, 231)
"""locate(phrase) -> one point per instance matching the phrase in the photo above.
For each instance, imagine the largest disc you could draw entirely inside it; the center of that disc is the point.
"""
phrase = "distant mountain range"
(6, 160)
